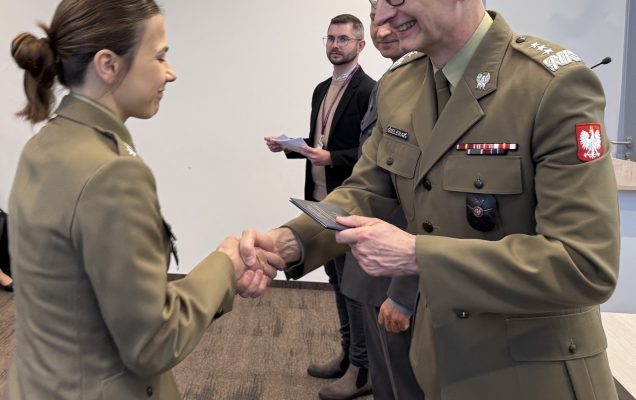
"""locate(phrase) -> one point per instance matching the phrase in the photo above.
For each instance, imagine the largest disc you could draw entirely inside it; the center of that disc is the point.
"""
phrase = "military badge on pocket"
(481, 211)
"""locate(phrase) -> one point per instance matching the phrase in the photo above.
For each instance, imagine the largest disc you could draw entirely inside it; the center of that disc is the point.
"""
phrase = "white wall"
(247, 69)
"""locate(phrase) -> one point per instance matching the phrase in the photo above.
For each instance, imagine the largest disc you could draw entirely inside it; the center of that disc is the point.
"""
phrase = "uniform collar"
(455, 68)
(90, 113)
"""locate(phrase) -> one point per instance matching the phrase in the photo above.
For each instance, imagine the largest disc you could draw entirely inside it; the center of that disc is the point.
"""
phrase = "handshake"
(257, 257)
(380, 248)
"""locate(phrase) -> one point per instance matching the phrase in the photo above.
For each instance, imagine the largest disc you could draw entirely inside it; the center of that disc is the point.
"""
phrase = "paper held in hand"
(293, 144)
(323, 213)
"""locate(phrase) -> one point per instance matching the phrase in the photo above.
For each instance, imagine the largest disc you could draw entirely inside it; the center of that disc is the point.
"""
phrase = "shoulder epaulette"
(407, 58)
(550, 55)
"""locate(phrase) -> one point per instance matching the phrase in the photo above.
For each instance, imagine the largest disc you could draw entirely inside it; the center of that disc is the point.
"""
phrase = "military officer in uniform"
(505, 178)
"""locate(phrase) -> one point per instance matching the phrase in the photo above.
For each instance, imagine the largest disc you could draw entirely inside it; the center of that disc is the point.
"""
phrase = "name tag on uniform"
(397, 133)
(487, 149)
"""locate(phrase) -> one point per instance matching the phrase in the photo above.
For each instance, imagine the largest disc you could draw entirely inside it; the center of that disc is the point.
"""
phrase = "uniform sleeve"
(572, 260)
(404, 290)
(118, 234)
(367, 192)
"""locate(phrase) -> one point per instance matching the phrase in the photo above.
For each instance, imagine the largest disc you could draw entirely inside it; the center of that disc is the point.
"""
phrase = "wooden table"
(621, 348)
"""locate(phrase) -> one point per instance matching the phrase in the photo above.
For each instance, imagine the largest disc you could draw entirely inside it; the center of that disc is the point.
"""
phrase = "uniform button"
(150, 391)
(463, 315)
(428, 227)
(521, 39)
(389, 161)
(478, 183)
(427, 184)
(572, 347)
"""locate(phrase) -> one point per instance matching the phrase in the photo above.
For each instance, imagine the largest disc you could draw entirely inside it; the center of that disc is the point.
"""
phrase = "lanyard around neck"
(325, 117)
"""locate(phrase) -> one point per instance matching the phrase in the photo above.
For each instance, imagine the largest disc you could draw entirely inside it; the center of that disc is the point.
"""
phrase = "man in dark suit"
(387, 303)
(337, 107)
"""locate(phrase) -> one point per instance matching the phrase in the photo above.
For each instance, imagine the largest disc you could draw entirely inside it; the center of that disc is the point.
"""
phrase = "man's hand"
(272, 145)
(319, 157)
(253, 280)
(280, 241)
(392, 319)
(381, 249)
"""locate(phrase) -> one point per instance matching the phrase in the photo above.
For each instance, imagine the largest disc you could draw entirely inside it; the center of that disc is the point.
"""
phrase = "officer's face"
(141, 89)
(385, 39)
(422, 25)
(341, 53)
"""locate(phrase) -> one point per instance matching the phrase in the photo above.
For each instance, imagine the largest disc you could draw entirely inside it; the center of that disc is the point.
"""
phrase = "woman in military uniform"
(95, 315)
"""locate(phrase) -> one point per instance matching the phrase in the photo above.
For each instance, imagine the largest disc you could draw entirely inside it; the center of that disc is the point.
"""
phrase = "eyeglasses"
(342, 40)
(394, 3)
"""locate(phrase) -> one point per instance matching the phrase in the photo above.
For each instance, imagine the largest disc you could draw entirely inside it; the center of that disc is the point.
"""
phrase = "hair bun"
(32, 54)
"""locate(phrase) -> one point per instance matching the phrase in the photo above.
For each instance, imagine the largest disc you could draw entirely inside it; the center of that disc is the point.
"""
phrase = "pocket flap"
(556, 337)
(498, 174)
(398, 158)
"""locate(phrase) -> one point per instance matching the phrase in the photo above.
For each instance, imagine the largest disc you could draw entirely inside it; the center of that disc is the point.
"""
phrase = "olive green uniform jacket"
(95, 315)
(511, 312)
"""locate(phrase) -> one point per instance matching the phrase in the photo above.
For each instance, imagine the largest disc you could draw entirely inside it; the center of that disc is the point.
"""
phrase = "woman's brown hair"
(79, 29)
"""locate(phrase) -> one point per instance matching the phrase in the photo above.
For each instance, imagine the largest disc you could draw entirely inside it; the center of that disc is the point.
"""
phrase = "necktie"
(443, 91)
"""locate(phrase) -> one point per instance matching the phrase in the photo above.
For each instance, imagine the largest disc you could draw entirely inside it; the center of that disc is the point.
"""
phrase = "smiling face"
(385, 39)
(141, 89)
(419, 24)
(437, 27)
(340, 54)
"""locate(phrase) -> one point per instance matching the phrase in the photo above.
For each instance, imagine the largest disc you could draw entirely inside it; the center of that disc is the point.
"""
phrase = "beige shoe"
(335, 368)
(356, 382)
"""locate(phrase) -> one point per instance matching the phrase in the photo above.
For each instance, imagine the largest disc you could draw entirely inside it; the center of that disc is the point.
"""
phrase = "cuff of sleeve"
(296, 270)
(401, 308)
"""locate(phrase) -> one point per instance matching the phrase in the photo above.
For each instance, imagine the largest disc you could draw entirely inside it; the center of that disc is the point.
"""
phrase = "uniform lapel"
(461, 112)
(315, 109)
(463, 109)
(425, 113)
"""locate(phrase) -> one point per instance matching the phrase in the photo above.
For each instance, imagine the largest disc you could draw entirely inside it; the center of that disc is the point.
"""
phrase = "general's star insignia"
(560, 59)
(401, 60)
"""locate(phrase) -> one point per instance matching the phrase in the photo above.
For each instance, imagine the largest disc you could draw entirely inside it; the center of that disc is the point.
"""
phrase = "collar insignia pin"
(130, 151)
(482, 80)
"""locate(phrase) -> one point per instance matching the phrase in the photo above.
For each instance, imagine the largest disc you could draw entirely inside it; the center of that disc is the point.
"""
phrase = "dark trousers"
(350, 315)
(5, 261)
(391, 373)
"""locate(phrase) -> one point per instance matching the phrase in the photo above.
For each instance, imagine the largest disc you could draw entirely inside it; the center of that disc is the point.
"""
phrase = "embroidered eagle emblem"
(482, 80)
(590, 141)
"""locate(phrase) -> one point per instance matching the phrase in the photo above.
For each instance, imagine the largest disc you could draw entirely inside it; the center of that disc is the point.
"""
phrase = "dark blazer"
(357, 284)
(344, 134)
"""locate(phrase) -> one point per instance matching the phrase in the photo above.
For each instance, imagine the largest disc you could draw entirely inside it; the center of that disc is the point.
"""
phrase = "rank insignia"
(481, 211)
(560, 59)
(482, 80)
(130, 150)
(402, 59)
(397, 133)
(589, 141)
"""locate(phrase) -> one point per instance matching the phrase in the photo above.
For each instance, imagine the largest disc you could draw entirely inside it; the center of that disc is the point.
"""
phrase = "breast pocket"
(482, 181)
(400, 159)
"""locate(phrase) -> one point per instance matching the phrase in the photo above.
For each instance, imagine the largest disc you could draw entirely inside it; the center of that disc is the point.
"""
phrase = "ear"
(361, 45)
(108, 66)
